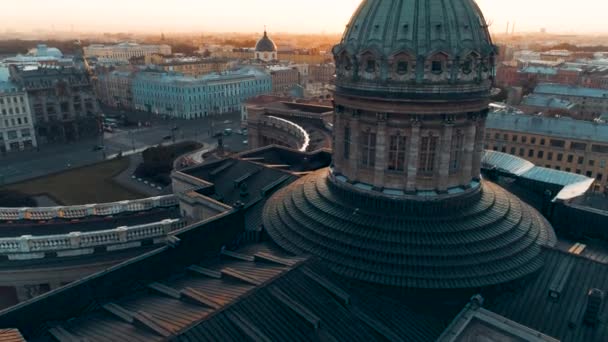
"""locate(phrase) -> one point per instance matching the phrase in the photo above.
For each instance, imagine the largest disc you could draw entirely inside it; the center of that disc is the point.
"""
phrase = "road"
(55, 158)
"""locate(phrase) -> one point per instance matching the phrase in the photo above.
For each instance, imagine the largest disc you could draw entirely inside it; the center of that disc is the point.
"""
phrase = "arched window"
(427, 154)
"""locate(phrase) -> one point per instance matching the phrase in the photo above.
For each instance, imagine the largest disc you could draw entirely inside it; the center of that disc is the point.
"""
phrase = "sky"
(294, 16)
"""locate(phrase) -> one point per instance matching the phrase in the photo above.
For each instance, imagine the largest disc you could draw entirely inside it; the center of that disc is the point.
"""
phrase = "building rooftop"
(567, 90)
(561, 128)
(546, 101)
(254, 293)
(567, 185)
(555, 301)
(539, 70)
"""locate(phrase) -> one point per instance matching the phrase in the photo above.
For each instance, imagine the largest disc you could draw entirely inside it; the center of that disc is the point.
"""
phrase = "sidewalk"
(124, 179)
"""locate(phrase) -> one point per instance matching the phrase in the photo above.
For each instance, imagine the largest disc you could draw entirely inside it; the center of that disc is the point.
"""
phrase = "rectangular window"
(456, 152)
(512, 150)
(560, 157)
(557, 143)
(541, 154)
(581, 160)
(570, 158)
(591, 162)
(428, 151)
(531, 153)
(368, 149)
(346, 153)
(521, 152)
(396, 153)
(599, 148)
(533, 140)
(578, 146)
(550, 156)
(514, 138)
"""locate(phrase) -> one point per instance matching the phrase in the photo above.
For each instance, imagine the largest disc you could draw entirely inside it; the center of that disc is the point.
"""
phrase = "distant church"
(266, 49)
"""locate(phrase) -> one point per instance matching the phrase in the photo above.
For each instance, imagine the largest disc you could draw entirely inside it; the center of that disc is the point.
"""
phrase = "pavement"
(49, 159)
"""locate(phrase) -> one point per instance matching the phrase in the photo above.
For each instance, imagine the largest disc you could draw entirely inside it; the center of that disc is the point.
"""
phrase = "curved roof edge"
(573, 185)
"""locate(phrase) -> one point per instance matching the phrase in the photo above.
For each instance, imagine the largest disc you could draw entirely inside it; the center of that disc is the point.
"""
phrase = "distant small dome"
(265, 44)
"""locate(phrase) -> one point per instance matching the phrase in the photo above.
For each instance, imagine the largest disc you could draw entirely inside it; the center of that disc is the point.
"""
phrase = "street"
(55, 158)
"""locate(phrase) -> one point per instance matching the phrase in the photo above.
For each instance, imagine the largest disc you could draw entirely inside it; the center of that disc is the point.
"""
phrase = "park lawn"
(86, 185)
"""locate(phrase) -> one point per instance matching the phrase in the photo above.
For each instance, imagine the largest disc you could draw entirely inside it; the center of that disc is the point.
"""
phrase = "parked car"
(98, 148)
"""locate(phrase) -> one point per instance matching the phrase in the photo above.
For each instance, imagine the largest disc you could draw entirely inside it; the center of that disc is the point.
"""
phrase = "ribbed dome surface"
(418, 26)
(265, 44)
(489, 238)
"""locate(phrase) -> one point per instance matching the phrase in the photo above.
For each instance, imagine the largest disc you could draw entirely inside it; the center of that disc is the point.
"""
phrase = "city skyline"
(315, 16)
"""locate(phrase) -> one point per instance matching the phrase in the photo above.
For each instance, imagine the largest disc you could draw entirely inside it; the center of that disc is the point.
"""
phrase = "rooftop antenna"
(513, 28)
(508, 27)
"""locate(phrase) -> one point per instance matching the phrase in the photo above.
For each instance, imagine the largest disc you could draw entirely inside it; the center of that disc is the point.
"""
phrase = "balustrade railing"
(292, 128)
(77, 240)
(80, 211)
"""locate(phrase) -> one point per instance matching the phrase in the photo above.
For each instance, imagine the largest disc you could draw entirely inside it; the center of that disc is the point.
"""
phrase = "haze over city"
(312, 16)
(336, 170)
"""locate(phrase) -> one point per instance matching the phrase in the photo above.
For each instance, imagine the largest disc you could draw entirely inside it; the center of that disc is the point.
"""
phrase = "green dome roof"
(397, 42)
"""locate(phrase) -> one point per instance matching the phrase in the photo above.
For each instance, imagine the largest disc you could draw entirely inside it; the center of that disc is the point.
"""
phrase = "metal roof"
(406, 243)
(547, 102)
(573, 185)
(255, 293)
(567, 90)
(561, 128)
(562, 318)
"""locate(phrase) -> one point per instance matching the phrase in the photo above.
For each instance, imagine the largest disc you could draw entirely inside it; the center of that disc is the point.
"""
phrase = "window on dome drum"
(456, 152)
(436, 67)
(428, 152)
(396, 153)
(467, 66)
(368, 149)
(370, 66)
(402, 67)
(346, 153)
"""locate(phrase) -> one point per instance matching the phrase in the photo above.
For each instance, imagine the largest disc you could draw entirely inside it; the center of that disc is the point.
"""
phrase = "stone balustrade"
(76, 240)
(81, 211)
(293, 128)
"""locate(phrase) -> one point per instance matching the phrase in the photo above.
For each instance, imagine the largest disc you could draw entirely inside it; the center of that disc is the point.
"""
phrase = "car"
(98, 148)
(167, 137)
(217, 135)
(227, 122)
(245, 142)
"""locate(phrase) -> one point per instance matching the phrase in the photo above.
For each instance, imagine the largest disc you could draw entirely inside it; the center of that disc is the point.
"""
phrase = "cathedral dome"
(403, 203)
(265, 44)
(411, 47)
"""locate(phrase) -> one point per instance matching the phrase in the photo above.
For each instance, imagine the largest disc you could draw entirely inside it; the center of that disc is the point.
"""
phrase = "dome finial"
(265, 33)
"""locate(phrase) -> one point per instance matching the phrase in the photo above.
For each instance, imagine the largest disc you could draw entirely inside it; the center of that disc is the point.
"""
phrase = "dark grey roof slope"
(258, 293)
(238, 180)
(485, 238)
(561, 319)
(418, 27)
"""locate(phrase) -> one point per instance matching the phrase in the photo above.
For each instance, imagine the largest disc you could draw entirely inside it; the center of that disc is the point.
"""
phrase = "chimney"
(595, 303)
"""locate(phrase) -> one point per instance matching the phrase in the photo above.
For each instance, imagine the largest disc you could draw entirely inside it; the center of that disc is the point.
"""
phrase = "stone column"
(444, 156)
(338, 136)
(468, 154)
(353, 167)
(412, 158)
(381, 152)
